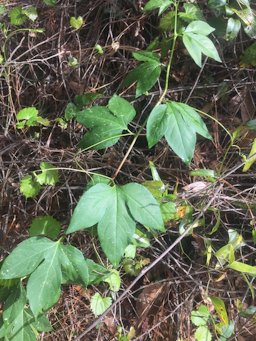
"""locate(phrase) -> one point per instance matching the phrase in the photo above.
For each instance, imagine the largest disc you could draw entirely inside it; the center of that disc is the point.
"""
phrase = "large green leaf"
(39, 257)
(141, 206)
(146, 74)
(43, 288)
(197, 43)
(74, 266)
(116, 228)
(116, 209)
(179, 123)
(19, 323)
(105, 124)
(25, 258)
(91, 207)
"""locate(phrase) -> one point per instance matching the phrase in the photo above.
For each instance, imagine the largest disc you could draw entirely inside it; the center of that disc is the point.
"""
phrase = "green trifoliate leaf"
(49, 174)
(179, 123)
(116, 209)
(100, 304)
(17, 16)
(155, 4)
(105, 123)
(197, 43)
(45, 225)
(146, 74)
(29, 187)
(76, 23)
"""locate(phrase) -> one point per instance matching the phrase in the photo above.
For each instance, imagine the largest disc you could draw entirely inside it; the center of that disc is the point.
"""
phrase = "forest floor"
(38, 74)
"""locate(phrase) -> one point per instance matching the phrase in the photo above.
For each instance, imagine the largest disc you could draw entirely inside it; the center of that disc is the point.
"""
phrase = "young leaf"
(146, 74)
(27, 113)
(17, 16)
(203, 334)
(100, 304)
(29, 187)
(114, 280)
(49, 174)
(30, 12)
(105, 124)
(200, 316)
(192, 12)
(197, 43)
(29, 117)
(233, 28)
(76, 23)
(108, 206)
(3, 10)
(179, 123)
(251, 158)
(154, 4)
(45, 225)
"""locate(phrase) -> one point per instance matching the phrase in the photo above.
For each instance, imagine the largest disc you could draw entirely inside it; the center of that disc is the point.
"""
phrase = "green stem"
(162, 97)
(168, 70)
